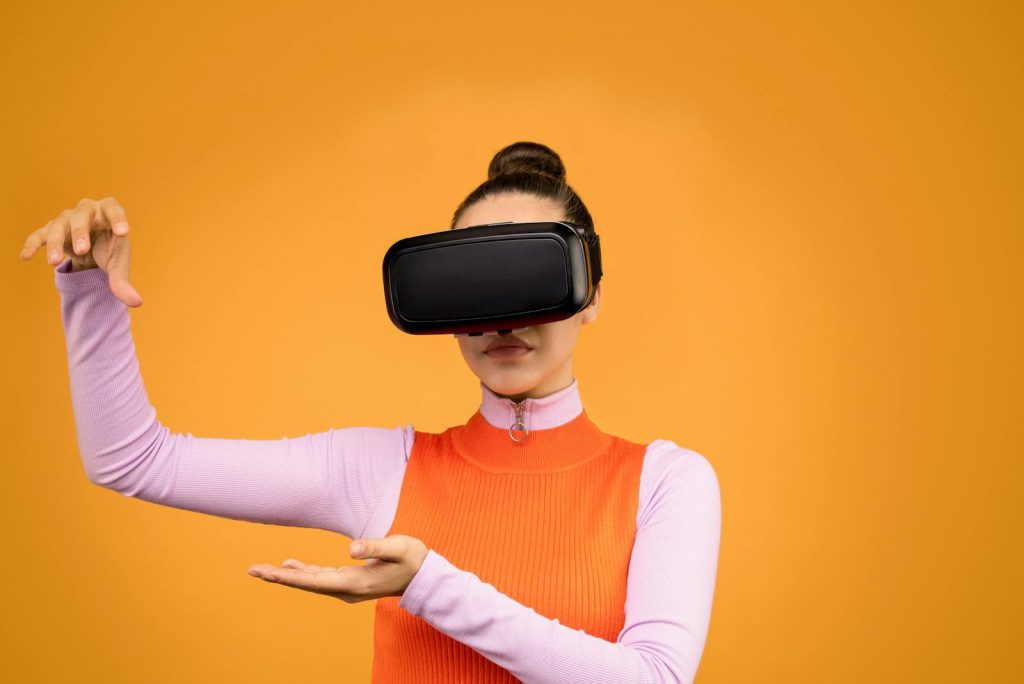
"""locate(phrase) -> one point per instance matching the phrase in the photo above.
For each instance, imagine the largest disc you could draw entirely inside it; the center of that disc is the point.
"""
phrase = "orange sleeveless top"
(549, 521)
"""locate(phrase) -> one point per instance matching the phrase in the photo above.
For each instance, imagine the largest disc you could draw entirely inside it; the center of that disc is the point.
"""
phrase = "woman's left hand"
(391, 563)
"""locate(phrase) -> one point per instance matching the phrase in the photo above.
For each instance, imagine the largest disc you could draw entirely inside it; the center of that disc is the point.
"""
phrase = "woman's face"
(547, 366)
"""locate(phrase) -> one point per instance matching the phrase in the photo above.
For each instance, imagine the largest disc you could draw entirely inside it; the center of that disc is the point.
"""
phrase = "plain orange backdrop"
(811, 223)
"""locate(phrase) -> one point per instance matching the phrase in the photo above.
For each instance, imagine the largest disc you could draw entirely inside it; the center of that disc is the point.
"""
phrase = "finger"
(323, 582)
(299, 565)
(263, 570)
(114, 214)
(55, 232)
(36, 238)
(80, 221)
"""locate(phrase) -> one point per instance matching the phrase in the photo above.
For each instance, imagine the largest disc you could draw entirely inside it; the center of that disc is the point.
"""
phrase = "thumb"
(384, 549)
(124, 291)
(117, 271)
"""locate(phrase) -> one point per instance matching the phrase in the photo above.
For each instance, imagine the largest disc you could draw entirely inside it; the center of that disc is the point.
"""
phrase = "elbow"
(104, 480)
(94, 470)
(109, 480)
(128, 472)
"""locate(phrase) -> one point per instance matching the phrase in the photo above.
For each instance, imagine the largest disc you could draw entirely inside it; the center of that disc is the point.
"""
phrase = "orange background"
(811, 221)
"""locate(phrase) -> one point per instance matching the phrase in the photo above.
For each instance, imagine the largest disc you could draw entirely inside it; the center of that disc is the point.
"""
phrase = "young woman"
(554, 553)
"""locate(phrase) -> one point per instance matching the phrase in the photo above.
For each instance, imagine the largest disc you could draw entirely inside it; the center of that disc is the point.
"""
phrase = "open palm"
(390, 565)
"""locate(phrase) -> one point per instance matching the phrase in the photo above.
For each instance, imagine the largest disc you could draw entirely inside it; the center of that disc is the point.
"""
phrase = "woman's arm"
(669, 592)
(330, 480)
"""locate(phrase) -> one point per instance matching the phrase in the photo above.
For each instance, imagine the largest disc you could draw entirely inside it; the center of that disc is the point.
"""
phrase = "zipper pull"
(518, 423)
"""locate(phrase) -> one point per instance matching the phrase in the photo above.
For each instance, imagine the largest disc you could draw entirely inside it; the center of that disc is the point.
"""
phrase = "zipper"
(518, 422)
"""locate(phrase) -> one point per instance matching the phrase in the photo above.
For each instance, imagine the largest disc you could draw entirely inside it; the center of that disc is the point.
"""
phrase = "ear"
(590, 313)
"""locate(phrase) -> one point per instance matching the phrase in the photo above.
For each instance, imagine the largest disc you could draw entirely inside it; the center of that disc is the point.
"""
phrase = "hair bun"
(527, 157)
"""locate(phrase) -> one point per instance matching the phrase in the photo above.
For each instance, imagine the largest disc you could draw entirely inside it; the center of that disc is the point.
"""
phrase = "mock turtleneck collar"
(555, 409)
(492, 440)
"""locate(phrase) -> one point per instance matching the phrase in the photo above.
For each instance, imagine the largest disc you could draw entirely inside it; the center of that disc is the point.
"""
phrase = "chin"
(512, 382)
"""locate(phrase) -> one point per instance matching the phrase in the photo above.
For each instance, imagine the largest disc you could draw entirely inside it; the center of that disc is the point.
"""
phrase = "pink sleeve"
(329, 480)
(669, 592)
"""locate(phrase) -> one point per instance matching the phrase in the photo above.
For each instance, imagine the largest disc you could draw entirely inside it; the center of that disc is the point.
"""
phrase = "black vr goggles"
(492, 278)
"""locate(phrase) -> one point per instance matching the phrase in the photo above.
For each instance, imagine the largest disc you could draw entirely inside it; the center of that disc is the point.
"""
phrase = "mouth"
(508, 343)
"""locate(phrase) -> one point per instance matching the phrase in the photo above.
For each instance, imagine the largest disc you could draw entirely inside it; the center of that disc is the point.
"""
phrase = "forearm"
(533, 647)
(115, 422)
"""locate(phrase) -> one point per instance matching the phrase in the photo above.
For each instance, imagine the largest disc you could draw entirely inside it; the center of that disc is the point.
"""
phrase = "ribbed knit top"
(549, 521)
(540, 617)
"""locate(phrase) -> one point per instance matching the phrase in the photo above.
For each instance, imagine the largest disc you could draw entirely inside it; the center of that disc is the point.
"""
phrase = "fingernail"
(53, 257)
(80, 244)
(120, 227)
(357, 549)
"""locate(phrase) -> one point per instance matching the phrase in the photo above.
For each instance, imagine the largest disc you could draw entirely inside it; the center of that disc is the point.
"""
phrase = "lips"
(507, 341)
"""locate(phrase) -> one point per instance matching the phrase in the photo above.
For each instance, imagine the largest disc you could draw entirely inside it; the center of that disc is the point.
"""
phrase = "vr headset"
(492, 278)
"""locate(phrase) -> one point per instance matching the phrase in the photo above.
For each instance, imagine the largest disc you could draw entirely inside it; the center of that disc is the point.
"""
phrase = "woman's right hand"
(96, 234)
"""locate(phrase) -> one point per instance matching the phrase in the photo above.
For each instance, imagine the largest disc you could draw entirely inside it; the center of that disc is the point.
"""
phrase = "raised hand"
(96, 234)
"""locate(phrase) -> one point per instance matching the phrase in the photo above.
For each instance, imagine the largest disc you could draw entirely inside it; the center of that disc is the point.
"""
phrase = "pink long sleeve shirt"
(348, 480)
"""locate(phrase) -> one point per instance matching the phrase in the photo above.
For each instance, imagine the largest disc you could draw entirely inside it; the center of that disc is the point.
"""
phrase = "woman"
(562, 555)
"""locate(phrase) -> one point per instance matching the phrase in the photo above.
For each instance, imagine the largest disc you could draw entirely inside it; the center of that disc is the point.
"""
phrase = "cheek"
(557, 339)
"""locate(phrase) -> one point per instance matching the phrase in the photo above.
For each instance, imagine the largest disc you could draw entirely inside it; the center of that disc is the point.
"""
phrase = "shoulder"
(666, 459)
(675, 476)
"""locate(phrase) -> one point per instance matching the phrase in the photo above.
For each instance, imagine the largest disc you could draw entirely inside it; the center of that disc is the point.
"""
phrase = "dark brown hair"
(534, 169)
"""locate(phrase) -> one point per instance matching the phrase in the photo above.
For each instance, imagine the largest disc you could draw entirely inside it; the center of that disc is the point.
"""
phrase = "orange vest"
(548, 521)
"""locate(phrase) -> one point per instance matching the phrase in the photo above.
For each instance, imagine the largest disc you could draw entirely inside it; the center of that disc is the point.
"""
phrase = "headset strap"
(594, 242)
